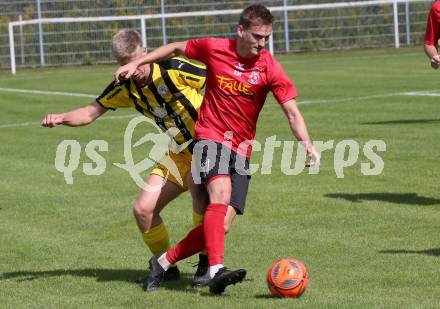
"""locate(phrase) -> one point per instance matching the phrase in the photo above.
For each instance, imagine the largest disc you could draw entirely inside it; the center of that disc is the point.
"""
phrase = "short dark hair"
(255, 12)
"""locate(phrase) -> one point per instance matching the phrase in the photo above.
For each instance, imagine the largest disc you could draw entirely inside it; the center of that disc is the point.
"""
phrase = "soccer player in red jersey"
(432, 35)
(169, 93)
(240, 74)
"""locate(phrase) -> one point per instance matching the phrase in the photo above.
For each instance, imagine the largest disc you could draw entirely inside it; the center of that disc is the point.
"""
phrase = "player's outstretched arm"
(75, 118)
(299, 129)
(432, 53)
(162, 53)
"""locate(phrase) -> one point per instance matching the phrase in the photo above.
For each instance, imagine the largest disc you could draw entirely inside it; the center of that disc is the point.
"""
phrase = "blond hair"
(125, 44)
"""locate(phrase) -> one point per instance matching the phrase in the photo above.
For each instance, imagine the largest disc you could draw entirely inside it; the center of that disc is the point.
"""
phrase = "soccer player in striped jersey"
(169, 93)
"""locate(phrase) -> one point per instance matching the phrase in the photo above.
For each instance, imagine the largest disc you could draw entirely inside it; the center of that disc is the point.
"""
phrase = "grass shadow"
(397, 198)
(403, 121)
(264, 296)
(430, 252)
(127, 275)
(101, 275)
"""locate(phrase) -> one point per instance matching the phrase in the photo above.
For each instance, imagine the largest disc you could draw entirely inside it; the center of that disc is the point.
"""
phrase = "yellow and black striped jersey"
(171, 96)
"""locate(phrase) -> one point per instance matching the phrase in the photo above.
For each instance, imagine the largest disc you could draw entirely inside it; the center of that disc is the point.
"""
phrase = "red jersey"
(432, 33)
(236, 89)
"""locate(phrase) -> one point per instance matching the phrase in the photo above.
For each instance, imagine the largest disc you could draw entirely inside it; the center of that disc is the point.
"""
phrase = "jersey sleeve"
(192, 74)
(199, 49)
(432, 32)
(280, 84)
(114, 97)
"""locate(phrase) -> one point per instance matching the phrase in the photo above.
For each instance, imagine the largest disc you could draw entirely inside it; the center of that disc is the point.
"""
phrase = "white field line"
(54, 72)
(368, 97)
(427, 93)
(67, 94)
(430, 93)
(320, 59)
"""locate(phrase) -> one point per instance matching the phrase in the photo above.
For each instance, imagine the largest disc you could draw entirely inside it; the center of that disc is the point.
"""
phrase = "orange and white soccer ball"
(287, 277)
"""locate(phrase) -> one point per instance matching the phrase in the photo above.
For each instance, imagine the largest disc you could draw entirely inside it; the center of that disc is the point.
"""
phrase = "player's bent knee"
(142, 210)
(221, 197)
(220, 200)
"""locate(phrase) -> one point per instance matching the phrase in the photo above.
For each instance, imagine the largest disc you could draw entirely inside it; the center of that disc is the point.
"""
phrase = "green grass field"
(367, 241)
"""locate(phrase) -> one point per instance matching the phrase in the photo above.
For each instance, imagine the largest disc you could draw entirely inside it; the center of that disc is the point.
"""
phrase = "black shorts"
(211, 159)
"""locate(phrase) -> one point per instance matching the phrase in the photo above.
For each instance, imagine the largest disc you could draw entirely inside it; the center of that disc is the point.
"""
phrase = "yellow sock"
(157, 239)
(198, 220)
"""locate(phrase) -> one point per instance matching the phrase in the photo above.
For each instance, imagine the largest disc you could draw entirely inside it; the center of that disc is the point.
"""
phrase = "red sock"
(213, 223)
(193, 242)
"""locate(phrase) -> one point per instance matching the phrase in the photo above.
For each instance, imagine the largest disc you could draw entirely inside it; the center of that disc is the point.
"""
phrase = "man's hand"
(314, 157)
(125, 71)
(435, 62)
(52, 120)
